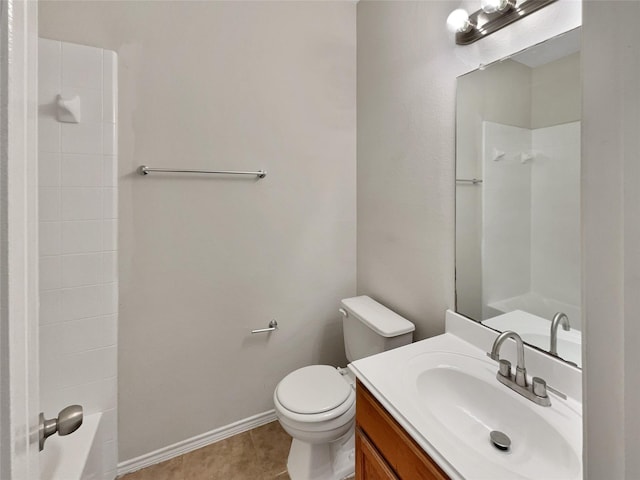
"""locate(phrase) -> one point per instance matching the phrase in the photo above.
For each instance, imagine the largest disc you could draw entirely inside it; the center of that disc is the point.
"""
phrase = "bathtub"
(539, 305)
(74, 457)
(536, 331)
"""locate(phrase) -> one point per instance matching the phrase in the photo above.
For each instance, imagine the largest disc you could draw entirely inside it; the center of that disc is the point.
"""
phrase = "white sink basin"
(464, 402)
(444, 392)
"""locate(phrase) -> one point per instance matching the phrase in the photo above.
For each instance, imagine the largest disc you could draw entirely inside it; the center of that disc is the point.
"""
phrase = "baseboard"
(196, 442)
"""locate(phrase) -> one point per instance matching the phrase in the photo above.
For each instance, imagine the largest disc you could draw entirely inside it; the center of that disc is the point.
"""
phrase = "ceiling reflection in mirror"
(518, 195)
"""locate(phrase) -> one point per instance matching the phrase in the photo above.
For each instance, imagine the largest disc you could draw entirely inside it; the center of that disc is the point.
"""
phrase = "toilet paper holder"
(273, 325)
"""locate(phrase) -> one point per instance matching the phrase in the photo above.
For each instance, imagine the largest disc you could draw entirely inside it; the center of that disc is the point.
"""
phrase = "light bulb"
(492, 6)
(458, 21)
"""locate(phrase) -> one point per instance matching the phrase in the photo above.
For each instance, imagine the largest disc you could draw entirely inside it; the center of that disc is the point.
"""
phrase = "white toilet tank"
(371, 328)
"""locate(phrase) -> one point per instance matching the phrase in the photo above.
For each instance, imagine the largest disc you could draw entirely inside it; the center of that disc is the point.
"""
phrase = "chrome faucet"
(537, 391)
(558, 319)
(521, 371)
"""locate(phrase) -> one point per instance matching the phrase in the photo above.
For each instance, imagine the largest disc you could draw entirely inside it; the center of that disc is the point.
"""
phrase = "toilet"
(316, 405)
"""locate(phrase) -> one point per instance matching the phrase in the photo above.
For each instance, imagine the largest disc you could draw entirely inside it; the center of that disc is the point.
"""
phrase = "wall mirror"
(518, 195)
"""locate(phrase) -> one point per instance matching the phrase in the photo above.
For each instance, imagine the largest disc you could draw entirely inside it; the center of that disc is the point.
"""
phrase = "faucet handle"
(539, 387)
(521, 376)
(505, 368)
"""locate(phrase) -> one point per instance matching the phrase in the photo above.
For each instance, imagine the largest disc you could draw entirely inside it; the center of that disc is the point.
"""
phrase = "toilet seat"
(317, 393)
(313, 389)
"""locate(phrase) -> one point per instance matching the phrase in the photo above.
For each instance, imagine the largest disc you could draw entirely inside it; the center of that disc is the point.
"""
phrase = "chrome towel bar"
(144, 170)
(273, 325)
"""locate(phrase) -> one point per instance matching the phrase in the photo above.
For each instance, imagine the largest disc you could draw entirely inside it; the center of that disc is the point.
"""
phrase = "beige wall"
(555, 92)
(407, 68)
(406, 86)
(225, 85)
(611, 236)
(414, 86)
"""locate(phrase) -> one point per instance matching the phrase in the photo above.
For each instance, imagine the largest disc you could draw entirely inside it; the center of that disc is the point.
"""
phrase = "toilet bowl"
(316, 405)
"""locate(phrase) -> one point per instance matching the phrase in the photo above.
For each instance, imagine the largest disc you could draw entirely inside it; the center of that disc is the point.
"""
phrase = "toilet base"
(324, 461)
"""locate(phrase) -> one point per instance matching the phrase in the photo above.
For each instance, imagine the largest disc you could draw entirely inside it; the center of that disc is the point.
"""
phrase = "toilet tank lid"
(379, 318)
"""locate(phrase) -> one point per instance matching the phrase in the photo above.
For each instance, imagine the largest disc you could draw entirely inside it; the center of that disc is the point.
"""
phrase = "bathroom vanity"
(436, 409)
(384, 447)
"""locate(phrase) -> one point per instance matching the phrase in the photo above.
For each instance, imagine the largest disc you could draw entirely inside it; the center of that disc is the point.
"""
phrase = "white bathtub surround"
(78, 456)
(506, 194)
(522, 240)
(538, 305)
(78, 241)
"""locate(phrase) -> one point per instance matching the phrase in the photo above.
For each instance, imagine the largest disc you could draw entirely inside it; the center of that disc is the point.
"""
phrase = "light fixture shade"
(491, 6)
(458, 21)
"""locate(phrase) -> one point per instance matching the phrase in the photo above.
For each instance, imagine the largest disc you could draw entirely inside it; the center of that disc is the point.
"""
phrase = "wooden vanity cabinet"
(384, 450)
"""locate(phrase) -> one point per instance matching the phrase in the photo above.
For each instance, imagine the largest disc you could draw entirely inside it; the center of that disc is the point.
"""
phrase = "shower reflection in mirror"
(518, 224)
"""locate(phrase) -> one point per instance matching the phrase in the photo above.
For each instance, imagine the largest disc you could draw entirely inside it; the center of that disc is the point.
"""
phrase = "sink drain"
(500, 440)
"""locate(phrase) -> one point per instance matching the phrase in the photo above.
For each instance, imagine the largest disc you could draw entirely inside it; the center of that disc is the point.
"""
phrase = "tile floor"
(259, 454)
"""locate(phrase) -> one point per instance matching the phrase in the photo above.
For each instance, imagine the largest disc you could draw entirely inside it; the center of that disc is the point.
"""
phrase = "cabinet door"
(396, 447)
(369, 464)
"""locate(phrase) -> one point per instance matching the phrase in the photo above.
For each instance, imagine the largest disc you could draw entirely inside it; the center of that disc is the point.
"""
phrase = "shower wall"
(506, 217)
(555, 215)
(531, 218)
(78, 212)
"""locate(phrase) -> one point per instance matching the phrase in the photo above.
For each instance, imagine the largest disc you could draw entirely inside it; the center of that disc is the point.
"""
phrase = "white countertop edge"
(409, 428)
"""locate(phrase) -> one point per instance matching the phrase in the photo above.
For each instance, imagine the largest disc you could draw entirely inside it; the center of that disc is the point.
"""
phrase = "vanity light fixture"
(492, 16)
(458, 21)
(492, 6)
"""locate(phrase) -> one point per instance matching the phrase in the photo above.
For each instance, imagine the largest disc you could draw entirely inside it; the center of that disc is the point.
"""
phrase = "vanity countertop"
(452, 424)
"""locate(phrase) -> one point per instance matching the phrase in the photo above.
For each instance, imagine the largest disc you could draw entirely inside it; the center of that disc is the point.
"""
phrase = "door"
(369, 463)
(18, 241)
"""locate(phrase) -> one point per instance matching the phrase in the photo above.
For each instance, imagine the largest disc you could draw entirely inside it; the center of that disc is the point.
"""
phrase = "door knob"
(68, 421)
